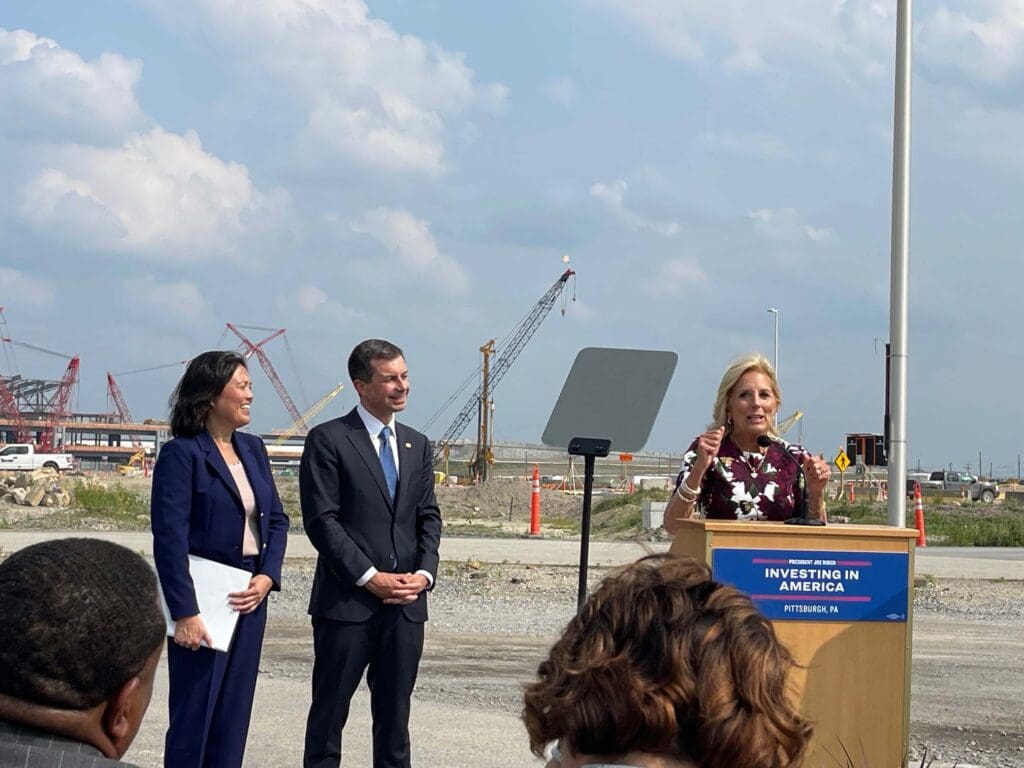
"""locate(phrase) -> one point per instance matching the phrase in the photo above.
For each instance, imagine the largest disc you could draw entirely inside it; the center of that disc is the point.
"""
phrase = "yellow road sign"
(842, 460)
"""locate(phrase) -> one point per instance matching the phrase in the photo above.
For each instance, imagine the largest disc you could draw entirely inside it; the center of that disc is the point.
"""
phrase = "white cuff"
(370, 573)
(428, 577)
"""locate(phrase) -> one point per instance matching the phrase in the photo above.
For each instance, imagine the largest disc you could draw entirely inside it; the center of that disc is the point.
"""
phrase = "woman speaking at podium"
(740, 469)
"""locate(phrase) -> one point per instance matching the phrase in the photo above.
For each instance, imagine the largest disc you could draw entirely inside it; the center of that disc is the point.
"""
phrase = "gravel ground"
(492, 624)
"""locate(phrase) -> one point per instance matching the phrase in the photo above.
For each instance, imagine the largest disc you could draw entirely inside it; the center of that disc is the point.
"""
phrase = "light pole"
(775, 325)
(899, 266)
(775, 358)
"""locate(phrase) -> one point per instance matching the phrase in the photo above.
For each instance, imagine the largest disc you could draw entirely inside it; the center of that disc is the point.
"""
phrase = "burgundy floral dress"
(747, 486)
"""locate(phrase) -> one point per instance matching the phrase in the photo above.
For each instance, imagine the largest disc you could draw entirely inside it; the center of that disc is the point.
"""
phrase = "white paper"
(213, 581)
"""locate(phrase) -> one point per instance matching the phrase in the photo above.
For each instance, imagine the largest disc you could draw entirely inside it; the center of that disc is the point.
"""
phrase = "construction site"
(38, 411)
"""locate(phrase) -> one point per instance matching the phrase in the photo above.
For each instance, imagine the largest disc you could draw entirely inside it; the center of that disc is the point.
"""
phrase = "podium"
(840, 599)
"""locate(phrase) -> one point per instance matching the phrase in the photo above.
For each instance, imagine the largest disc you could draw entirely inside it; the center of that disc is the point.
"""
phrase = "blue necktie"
(387, 461)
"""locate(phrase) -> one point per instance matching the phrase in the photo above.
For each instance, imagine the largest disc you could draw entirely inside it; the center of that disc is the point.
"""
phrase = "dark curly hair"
(204, 379)
(360, 366)
(664, 660)
(80, 618)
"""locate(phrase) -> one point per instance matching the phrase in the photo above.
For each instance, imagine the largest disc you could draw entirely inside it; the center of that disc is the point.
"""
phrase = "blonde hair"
(755, 362)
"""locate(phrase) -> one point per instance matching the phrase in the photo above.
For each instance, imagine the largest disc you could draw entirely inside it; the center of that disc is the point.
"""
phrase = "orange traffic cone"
(919, 516)
(535, 502)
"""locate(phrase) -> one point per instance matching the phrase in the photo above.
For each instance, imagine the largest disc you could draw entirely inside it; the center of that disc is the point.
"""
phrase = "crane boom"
(9, 409)
(268, 368)
(60, 403)
(516, 342)
(122, 406)
(314, 409)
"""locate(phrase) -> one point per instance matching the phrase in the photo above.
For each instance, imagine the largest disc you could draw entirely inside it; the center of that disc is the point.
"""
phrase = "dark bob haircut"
(360, 366)
(80, 618)
(204, 379)
(665, 661)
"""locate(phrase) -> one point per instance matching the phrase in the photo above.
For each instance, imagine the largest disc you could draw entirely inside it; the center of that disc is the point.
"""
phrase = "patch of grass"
(619, 521)
(959, 531)
(115, 505)
(865, 512)
(970, 525)
(637, 498)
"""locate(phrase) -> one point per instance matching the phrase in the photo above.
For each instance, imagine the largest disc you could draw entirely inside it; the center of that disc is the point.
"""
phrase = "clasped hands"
(397, 588)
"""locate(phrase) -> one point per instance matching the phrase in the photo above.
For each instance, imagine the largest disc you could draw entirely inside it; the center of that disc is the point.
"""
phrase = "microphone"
(801, 482)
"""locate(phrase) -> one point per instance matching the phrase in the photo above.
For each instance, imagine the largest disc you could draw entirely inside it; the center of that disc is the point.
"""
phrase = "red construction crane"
(114, 393)
(59, 403)
(268, 367)
(9, 410)
(8, 403)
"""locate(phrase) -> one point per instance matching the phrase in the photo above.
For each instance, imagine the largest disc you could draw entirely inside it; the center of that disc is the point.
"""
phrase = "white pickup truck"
(23, 456)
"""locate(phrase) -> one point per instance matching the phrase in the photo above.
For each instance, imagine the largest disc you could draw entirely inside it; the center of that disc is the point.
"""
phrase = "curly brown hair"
(664, 660)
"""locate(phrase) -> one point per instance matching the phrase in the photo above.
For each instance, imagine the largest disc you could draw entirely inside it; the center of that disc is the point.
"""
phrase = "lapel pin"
(408, 445)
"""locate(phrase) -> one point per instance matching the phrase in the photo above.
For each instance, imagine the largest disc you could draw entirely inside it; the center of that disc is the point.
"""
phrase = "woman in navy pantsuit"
(214, 496)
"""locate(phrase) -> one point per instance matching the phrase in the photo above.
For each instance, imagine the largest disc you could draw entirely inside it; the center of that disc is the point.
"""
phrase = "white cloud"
(410, 241)
(561, 90)
(783, 224)
(159, 193)
(374, 95)
(25, 288)
(181, 300)
(47, 90)
(677, 276)
(752, 31)
(744, 144)
(987, 43)
(983, 39)
(613, 195)
(313, 300)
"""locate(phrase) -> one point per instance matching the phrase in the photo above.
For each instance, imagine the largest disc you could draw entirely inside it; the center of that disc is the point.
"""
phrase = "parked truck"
(976, 490)
(23, 456)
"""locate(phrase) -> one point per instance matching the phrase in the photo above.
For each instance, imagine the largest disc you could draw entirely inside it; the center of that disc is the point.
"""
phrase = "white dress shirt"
(374, 426)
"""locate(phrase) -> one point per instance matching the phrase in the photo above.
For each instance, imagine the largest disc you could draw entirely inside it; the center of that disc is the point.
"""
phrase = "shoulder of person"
(344, 423)
(409, 433)
(247, 438)
(178, 445)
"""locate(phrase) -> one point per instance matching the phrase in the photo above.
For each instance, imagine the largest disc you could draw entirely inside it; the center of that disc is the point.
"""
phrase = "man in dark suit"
(81, 639)
(367, 490)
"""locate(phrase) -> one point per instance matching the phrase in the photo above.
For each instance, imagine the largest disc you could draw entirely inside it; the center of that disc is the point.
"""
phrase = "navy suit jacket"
(352, 522)
(196, 509)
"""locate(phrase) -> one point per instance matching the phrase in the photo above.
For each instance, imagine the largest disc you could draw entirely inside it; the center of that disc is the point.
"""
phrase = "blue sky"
(417, 170)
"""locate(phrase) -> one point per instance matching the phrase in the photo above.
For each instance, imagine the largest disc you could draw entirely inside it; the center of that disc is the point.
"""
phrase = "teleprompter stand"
(610, 400)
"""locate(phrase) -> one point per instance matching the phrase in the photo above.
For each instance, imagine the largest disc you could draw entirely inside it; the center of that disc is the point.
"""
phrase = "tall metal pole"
(775, 357)
(900, 267)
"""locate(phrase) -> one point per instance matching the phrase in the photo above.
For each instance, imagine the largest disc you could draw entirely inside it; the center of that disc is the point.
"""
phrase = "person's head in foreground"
(82, 635)
(664, 668)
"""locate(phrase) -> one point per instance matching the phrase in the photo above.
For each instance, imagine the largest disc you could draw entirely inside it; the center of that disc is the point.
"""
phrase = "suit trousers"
(388, 646)
(211, 696)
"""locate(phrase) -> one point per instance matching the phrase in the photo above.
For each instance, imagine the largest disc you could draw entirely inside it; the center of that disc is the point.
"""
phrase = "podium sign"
(823, 585)
(840, 598)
